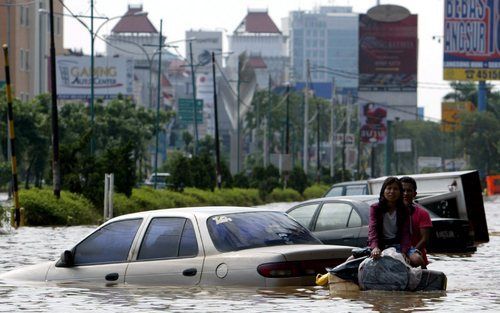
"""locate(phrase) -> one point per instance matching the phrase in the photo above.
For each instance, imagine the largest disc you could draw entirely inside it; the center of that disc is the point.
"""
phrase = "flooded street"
(473, 284)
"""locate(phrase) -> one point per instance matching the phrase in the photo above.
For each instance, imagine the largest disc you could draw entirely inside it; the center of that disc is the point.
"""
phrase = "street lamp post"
(193, 81)
(93, 35)
(218, 173)
(56, 173)
(158, 104)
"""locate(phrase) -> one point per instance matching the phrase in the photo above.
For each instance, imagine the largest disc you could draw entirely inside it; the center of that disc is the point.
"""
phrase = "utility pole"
(267, 135)
(238, 117)
(332, 130)
(287, 129)
(92, 77)
(306, 119)
(56, 172)
(318, 163)
(157, 126)
(346, 130)
(195, 109)
(218, 172)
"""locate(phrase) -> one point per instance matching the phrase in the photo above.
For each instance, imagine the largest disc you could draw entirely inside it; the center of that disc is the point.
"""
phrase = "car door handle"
(347, 237)
(112, 276)
(189, 272)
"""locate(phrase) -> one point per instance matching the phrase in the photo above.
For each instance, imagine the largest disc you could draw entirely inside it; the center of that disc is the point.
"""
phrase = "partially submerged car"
(348, 188)
(449, 195)
(226, 246)
(344, 221)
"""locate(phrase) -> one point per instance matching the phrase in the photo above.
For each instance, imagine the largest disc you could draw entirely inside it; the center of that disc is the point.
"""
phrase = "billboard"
(112, 76)
(450, 114)
(387, 54)
(471, 40)
(373, 118)
(203, 43)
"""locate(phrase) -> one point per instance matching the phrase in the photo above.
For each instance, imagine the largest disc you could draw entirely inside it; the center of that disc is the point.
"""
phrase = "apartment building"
(25, 29)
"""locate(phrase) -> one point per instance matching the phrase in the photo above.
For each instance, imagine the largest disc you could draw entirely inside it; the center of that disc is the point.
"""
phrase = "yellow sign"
(471, 74)
(450, 114)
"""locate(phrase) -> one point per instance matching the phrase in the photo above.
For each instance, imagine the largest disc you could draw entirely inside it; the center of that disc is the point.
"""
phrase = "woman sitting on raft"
(389, 221)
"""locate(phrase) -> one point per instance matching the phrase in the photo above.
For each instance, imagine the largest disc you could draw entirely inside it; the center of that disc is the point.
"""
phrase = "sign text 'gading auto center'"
(112, 77)
(471, 40)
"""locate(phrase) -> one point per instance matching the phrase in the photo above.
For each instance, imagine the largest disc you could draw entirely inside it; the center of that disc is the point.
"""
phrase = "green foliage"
(146, 198)
(32, 143)
(265, 179)
(298, 179)
(240, 197)
(202, 169)
(284, 195)
(198, 171)
(481, 140)
(315, 191)
(240, 180)
(5, 175)
(41, 207)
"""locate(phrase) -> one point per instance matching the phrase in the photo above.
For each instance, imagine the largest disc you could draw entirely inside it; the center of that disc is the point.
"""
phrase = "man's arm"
(424, 238)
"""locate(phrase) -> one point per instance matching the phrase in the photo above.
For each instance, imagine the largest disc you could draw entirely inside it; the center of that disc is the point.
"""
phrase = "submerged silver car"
(226, 246)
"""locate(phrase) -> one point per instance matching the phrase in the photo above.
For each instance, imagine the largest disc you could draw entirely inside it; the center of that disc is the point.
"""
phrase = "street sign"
(185, 111)
(349, 140)
(402, 145)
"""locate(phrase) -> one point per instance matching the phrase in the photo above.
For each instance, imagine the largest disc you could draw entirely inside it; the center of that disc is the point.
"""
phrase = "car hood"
(37, 272)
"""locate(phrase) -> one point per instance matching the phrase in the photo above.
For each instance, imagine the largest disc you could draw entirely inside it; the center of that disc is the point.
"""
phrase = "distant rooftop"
(131, 23)
(257, 62)
(257, 21)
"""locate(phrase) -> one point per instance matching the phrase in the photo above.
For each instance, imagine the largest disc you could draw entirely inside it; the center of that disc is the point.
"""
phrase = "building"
(25, 28)
(199, 48)
(328, 38)
(265, 46)
(136, 37)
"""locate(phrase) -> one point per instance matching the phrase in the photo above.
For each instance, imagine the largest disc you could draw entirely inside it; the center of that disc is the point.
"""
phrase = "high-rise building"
(328, 38)
(25, 28)
(134, 36)
(264, 44)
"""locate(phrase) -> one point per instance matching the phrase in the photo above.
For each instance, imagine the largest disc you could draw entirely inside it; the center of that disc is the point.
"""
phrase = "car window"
(333, 216)
(238, 231)
(355, 190)
(168, 237)
(335, 192)
(354, 219)
(304, 214)
(108, 244)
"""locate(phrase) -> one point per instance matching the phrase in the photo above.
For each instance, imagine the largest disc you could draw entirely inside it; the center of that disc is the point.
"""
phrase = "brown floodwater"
(473, 284)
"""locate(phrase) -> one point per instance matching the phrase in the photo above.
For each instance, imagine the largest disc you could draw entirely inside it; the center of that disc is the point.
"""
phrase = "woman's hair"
(388, 181)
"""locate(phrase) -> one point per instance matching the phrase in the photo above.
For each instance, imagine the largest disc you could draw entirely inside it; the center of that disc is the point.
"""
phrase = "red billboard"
(388, 54)
(373, 119)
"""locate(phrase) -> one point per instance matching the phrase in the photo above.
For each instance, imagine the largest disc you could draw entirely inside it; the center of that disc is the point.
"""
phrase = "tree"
(32, 137)
(481, 140)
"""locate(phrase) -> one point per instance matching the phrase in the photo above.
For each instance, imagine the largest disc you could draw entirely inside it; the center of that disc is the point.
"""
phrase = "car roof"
(350, 183)
(199, 211)
(368, 199)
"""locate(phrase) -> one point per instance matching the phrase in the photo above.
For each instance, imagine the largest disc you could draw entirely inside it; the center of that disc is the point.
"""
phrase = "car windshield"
(238, 231)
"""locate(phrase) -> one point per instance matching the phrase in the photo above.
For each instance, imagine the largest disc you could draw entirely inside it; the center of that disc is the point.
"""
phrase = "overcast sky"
(181, 15)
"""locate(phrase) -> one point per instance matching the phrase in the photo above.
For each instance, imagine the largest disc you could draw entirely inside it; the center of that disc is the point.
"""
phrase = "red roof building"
(133, 22)
(257, 22)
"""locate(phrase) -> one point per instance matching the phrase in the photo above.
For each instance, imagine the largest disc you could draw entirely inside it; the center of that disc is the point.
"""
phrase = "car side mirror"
(67, 259)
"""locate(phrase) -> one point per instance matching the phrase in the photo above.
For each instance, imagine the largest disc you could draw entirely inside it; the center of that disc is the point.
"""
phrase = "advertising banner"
(450, 114)
(471, 40)
(373, 118)
(112, 76)
(387, 54)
